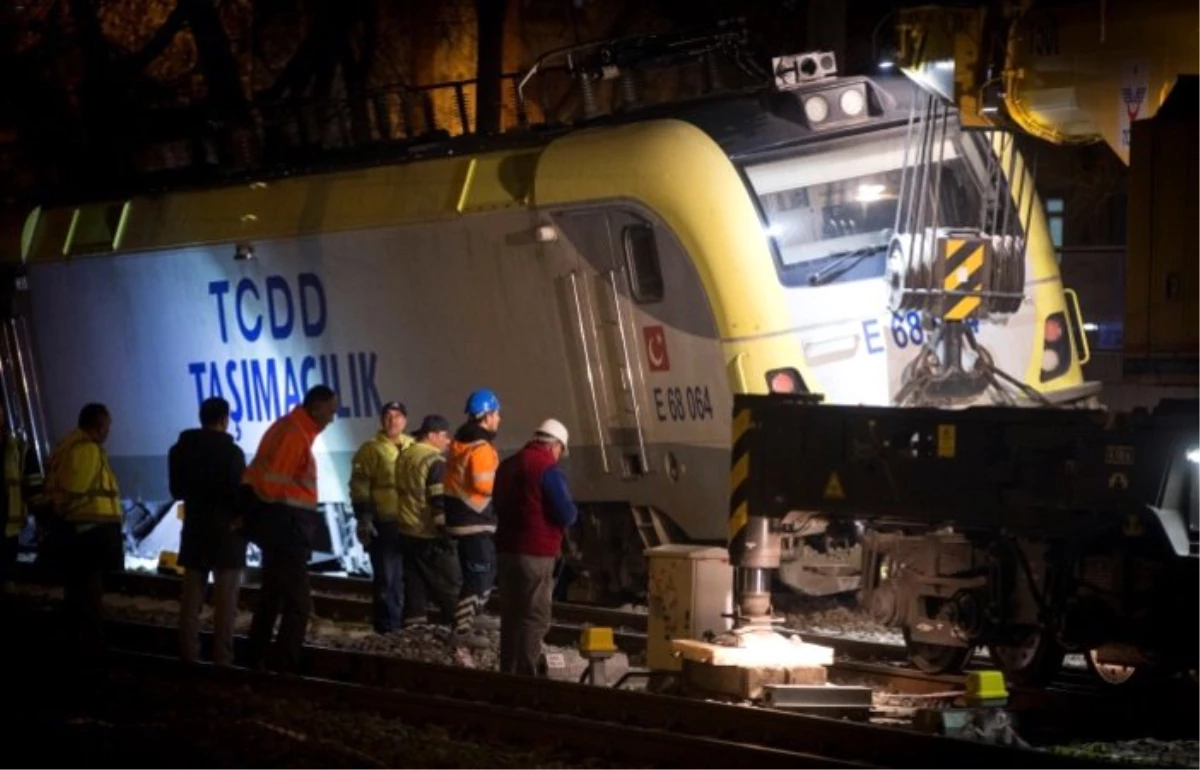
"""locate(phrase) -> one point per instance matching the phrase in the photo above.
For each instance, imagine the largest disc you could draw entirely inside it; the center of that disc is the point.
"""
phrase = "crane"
(1080, 71)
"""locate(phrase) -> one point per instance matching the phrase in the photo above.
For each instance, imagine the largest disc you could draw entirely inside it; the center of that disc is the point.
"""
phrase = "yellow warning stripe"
(970, 265)
(737, 521)
(741, 424)
(740, 471)
(964, 308)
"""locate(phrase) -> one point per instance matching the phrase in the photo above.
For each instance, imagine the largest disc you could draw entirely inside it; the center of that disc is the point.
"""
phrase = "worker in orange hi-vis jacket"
(470, 520)
(283, 479)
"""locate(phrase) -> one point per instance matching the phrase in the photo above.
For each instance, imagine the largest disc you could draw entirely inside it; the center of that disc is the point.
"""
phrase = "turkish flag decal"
(656, 348)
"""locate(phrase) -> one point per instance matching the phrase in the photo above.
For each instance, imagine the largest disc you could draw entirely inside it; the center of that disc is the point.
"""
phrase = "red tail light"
(784, 381)
(1054, 330)
(1056, 348)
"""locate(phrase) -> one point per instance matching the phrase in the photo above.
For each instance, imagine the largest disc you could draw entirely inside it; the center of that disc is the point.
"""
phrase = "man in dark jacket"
(206, 469)
(533, 508)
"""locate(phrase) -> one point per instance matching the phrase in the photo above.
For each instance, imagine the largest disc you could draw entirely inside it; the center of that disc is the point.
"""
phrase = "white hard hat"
(555, 430)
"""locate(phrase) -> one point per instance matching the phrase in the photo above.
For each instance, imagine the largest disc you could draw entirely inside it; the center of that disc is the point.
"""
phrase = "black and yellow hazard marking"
(963, 259)
(947, 440)
(833, 488)
(739, 474)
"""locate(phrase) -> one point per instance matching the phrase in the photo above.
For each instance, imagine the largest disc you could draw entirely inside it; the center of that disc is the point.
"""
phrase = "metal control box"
(690, 593)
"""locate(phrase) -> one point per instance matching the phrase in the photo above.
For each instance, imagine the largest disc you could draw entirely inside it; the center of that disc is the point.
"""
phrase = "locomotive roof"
(450, 179)
(757, 122)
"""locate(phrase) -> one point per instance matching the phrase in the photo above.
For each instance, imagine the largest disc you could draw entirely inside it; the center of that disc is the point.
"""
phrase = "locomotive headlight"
(816, 109)
(1049, 360)
(869, 193)
(1193, 455)
(852, 102)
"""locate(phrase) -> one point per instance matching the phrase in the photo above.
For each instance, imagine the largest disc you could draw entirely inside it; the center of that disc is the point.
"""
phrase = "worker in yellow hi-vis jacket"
(87, 505)
(373, 493)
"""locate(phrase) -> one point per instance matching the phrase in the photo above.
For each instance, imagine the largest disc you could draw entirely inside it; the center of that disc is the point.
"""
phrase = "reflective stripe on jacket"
(470, 475)
(81, 482)
(284, 470)
(373, 478)
(417, 491)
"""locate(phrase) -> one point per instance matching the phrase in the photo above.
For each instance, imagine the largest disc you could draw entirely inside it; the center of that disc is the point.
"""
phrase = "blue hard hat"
(482, 401)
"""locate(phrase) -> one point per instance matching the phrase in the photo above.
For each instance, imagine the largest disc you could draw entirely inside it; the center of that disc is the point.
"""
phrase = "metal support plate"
(852, 702)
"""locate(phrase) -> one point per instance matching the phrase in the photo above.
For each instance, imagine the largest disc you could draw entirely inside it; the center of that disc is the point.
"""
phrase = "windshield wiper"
(841, 263)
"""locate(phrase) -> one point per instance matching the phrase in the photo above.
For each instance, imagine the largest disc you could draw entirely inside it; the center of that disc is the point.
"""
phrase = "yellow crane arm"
(1067, 72)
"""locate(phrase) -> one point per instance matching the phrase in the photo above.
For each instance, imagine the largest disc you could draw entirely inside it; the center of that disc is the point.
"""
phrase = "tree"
(489, 69)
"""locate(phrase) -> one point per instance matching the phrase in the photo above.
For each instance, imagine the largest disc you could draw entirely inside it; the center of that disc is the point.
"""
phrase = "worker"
(87, 508)
(205, 470)
(282, 479)
(22, 478)
(470, 519)
(373, 494)
(534, 509)
(430, 556)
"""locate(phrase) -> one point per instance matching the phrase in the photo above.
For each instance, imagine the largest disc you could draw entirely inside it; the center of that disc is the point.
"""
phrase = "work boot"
(471, 640)
(415, 622)
(486, 623)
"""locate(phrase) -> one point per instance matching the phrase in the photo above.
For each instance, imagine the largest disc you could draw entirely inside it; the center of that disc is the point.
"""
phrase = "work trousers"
(226, 585)
(387, 577)
(526, 594)
(8, 561)
(285, 591)
(285, 535)
(477, 559)
(431, 572)
(90, 553)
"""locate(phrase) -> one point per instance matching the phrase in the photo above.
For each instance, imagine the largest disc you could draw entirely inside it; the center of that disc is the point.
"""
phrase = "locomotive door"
(605, 333)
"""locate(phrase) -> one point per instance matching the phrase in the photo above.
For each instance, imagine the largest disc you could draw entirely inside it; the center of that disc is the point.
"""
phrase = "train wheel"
(1114, 673)
(1033, 660)
(936, 658)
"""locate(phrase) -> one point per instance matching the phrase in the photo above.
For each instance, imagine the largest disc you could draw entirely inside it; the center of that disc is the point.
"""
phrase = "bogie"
(1023, 600)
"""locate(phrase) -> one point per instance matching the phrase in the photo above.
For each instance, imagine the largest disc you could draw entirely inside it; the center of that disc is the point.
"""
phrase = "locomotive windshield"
(830, 210)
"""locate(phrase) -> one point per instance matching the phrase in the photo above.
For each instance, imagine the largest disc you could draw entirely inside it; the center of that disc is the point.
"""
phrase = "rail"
(1074, 705)
(577, 736)
(676, 724)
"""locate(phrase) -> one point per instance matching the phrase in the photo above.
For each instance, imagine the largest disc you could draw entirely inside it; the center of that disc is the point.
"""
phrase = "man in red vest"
(534, 508)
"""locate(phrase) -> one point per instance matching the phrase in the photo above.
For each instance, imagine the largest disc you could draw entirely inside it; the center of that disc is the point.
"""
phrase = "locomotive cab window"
(641, 260)
(830, 208)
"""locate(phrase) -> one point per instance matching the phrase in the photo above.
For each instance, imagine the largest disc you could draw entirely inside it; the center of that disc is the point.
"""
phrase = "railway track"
(348, 600)
(1066, 710)
(620, 725)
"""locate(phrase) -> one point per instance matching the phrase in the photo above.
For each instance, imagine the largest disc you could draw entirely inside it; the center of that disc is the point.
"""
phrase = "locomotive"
(628, 274)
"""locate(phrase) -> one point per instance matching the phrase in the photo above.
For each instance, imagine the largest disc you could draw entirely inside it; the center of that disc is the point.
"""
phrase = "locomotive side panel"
(423, 314)
(653, 370)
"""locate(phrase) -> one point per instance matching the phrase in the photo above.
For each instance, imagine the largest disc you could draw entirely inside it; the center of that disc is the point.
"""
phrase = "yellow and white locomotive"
(627, 276)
